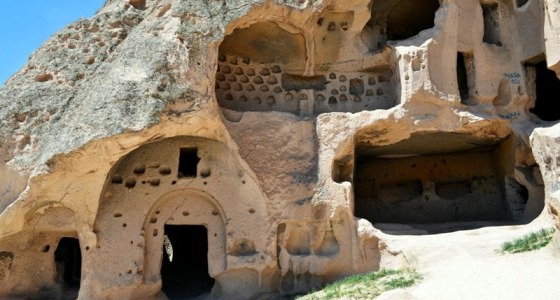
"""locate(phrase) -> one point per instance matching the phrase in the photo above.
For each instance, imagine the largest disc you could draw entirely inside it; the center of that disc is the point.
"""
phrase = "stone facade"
(253, 148)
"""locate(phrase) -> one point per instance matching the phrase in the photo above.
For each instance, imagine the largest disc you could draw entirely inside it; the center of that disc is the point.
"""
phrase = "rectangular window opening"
(491, 16)
(188, 162)
(462, 78)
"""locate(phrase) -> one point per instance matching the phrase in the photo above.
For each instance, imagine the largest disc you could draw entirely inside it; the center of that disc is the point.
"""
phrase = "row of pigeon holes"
(245, 86)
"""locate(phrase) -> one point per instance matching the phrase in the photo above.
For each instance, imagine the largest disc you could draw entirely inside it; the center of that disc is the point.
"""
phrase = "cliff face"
(267, 139)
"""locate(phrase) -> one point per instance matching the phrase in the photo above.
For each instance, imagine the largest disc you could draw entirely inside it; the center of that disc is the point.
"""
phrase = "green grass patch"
(529, 242)
(366, 286)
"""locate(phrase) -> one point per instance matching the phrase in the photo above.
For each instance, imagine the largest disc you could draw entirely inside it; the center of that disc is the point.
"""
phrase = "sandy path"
(465, 265)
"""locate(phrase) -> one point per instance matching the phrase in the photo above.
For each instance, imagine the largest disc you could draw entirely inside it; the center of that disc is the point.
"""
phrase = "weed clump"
(529, 242)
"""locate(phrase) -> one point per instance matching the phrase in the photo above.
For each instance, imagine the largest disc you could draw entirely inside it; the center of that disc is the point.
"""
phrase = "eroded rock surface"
(260, 145)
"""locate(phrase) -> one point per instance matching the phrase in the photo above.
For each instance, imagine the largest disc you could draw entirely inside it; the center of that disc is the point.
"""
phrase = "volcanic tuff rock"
(267, 142)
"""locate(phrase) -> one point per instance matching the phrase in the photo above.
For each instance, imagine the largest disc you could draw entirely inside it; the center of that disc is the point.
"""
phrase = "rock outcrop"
(262, 141)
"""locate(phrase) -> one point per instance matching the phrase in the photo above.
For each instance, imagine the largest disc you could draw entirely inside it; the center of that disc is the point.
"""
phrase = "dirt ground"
(466, 265)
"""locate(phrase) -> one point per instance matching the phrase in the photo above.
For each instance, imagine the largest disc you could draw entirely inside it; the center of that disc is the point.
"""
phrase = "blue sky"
(25, 25)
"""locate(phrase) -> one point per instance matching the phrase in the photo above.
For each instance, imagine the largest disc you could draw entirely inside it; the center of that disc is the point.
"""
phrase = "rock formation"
(264, 141)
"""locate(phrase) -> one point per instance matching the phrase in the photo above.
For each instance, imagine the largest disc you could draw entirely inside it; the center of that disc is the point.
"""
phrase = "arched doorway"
(185, 243)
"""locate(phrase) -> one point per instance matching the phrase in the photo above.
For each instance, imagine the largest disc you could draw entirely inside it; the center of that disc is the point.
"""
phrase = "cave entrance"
(68, 262)
(448, 181)
(545, 89)
(395, 20)
(184, 267)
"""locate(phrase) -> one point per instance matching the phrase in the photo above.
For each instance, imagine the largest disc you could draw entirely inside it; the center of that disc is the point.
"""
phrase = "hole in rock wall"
(184, 273)
(251, 64)
(188, 162)
(465, 76)
(398, 20)
(68, 261)
(491, 16)
(434, 178)
(409, 17)
(520, 3)
(261, 68)
(544, 88)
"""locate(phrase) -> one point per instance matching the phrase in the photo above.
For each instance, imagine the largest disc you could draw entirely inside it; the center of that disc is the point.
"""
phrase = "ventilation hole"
(46, 248)
(252, 211)
(124, 225)
(153, 220)
(320, 97)
(130, 183)
(157, 212)
(244, 79)
(174, 182)
(371, 80)
(332, 76)
(238, 71)
(228, 97)
(186, 213)
(220, 77)
(233, 61)
(250, 72)
(277, 90)
(357, 99)
(344, 26)
(250, 87)
(276, 69)
(214, 212)
(369, 92)
(243, 99)
(342, 78)
(246, 60)
(117, 215)
(155, 182)
(165, 170)
(343, 98)
(334, 92)
(205, 173)
(381, 78)
(257, 100)
(379, 91)
(332, 100)
(331, 27)
(270, 100)
(342, 88)
(222, 58)
(116, 179)
(264, 88)
(139, 169)
(155, 232)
